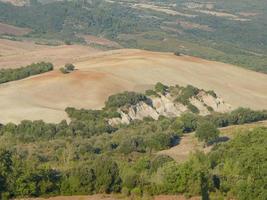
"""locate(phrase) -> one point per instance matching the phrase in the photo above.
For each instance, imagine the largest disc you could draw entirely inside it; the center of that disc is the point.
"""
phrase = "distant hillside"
(228, 31)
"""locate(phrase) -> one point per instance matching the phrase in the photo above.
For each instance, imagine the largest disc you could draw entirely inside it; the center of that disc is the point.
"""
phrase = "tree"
(69, 67)
(207, 132)
(161, 88)
(5, 170)
(177, 53)
(107, 175)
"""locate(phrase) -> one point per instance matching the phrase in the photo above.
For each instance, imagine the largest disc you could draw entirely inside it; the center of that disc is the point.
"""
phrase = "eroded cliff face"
(167, 105)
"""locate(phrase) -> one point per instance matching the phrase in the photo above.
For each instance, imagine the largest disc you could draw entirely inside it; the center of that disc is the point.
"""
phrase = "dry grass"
(104, 73)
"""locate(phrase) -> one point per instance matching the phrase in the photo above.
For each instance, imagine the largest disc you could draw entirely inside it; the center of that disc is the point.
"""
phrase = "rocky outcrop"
(167, 105)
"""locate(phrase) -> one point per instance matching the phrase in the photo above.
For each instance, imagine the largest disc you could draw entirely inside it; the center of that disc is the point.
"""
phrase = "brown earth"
(104, 73)
(15, 53)
(13, 30)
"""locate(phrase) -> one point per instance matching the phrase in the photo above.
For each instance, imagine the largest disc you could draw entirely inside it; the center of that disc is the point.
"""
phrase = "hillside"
(203, 29)
(189, 143)
(105, 73)
(14, 54)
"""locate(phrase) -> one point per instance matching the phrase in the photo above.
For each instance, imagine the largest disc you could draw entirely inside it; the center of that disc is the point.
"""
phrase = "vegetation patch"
(68, 68)
(124, 99)
(186, 93)
(7, 75)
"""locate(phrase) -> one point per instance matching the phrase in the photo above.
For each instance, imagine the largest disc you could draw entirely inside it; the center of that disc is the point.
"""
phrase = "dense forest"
(87, 155)
(208, 35)
(7, 75)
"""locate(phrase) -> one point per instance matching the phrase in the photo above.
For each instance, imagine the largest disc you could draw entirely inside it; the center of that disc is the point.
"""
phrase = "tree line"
(7, 75)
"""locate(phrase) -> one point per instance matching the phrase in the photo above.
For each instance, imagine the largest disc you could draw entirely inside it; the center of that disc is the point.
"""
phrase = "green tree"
(207, 132)
(107, 175)
(69, 67)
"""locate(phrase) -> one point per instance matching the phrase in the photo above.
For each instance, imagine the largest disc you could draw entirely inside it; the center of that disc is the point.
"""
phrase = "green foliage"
(63, 70)
(207, 132)
(193, 108)
(240, 165)
(212, 93)
(177, 53)
(246, 115)
(65, 20)
(7, 75)
(189, 122)
(238, 116)
(187, 93)
(161, 88)
(68, 68)
(191, 178)
(151, 93)
(87, 155)
(124, 99)
(107, 175)
(80, 180)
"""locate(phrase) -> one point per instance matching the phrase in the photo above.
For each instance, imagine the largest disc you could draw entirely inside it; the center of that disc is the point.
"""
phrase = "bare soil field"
(13, 30)
(101, 74)
(16, 53)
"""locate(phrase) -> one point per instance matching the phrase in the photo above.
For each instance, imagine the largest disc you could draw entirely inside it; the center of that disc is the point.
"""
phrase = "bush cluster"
(7, 75)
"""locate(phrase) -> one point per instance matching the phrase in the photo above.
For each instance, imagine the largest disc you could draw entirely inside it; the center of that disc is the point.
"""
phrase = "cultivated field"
(15, 53)
(104, 73)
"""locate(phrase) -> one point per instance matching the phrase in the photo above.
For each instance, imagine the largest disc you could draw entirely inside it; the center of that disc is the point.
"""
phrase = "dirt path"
(189, 143)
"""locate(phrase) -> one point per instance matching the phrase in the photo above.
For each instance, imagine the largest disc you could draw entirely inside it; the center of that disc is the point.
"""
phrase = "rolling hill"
(101, 74)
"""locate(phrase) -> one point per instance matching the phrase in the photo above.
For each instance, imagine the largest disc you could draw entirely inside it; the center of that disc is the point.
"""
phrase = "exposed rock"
(166, 105)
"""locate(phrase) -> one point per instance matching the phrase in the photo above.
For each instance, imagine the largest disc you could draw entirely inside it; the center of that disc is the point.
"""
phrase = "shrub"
(69, 67)
(177, 53)
(207, 132)
(63, 70)
(7, 75)
(212, 93)
(161, 88)
(151, 93)
(123, 99)
(186, 93)
(193, 108)
(136, 192)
